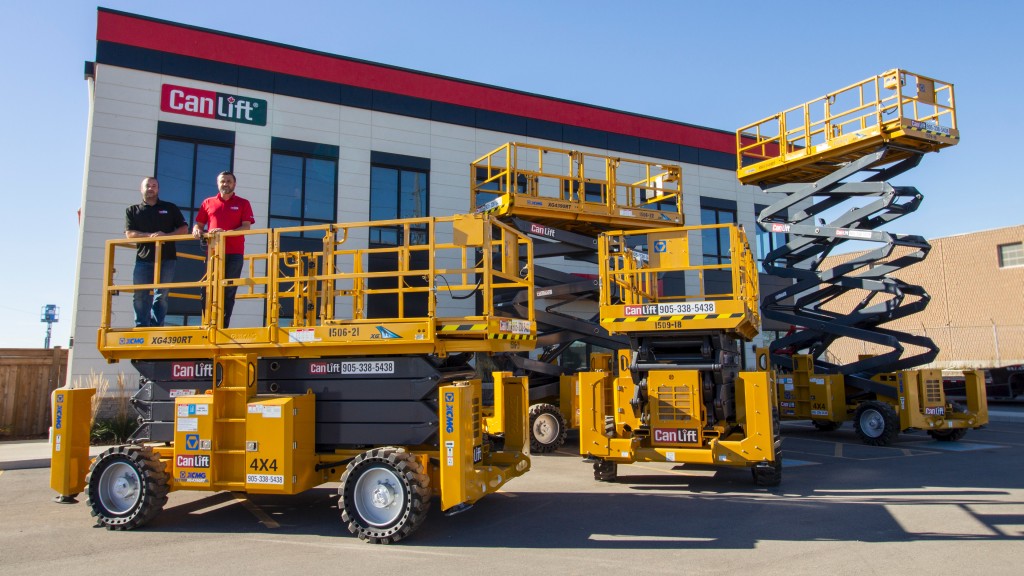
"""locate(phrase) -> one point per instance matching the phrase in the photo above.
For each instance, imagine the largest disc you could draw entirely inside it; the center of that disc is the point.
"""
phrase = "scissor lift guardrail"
(574, 190)
(330, 288)
(636, 301)
(914, 113)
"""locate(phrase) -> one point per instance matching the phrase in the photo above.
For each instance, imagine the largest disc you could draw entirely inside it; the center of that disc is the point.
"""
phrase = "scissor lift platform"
(637, 302)
(912, 113)
(440, 260)
(577, 191)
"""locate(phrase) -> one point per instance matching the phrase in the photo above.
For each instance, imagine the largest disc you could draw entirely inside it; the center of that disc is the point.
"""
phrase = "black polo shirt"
(160, 217)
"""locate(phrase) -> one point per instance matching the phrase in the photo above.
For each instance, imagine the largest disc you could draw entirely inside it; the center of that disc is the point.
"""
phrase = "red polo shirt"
(216, 213)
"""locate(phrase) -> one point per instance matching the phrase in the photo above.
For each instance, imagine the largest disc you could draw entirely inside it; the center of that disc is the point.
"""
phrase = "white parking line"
(645, 538)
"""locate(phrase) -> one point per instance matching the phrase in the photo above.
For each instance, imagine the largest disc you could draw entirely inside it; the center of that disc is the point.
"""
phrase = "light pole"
(49, 314)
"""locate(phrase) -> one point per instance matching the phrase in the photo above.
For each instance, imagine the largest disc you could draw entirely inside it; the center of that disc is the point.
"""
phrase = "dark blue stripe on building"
(332, 93)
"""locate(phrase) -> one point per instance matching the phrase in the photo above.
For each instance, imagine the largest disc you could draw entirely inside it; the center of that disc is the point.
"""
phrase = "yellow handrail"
(879, 104)
(438, 261)
(579, 178)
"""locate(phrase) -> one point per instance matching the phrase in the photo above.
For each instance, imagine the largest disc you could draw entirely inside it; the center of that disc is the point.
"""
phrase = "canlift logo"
(214, 105)
(191, 370)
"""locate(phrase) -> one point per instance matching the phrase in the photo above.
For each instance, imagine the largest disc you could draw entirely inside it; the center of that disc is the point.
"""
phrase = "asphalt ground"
(917, 507)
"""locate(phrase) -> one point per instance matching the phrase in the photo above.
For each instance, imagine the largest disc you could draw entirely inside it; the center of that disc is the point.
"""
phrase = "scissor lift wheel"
(127, 487)
(385, 495)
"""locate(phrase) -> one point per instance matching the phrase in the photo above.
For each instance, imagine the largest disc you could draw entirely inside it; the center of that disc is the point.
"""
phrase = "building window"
(303, 184)
(766, 241)
(399, 188)
(1011, 255)
(716, 240)
(188, 159)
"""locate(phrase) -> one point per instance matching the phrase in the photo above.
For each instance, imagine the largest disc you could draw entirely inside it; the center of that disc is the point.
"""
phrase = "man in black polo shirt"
(151, 219)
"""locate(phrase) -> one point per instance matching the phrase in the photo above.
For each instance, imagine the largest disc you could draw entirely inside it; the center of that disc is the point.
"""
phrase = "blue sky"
(717, 64)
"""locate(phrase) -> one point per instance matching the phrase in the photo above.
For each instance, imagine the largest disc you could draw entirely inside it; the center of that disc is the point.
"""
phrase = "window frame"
(400, 164)
(305, 151)
(186, 312)
(720, 255)
(1017, 260)
(196, 136)
(775, 239)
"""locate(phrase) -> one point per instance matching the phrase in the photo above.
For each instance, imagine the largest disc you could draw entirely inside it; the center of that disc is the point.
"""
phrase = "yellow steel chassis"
(916, 396)
(455, 475)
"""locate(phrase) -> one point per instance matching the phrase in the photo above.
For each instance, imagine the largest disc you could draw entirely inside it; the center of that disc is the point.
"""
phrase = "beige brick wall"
(976, 314)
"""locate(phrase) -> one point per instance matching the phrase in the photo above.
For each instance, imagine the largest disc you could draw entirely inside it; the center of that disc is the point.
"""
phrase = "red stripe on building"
(184, 41)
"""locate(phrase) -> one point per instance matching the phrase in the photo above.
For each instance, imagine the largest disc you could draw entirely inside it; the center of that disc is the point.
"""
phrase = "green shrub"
(114, 429)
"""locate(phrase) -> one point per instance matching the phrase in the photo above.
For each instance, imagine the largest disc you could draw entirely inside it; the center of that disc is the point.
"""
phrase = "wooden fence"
(27, 377)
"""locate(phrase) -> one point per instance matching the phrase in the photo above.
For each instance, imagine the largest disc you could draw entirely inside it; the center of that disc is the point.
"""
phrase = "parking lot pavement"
(916, 507)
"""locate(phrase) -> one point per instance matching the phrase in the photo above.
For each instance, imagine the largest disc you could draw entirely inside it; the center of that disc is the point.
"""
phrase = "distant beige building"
(976, 314)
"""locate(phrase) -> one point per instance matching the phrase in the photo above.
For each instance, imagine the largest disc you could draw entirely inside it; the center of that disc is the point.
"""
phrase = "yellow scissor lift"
(841, 149)
(677, 393)
(565, 199)
(569, 200)
(292, 403)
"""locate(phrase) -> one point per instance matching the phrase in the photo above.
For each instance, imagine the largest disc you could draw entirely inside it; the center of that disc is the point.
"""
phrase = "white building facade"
(315, 138)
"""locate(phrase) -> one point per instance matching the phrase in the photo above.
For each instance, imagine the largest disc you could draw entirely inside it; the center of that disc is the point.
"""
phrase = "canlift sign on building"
(215, 105)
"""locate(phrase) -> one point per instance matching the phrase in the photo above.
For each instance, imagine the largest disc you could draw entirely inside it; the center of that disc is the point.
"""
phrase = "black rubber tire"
(410, 496)
(547, 428)
(126, 487)
(605, 471)
(768, 474)
(826, 425)
(876, 423)
(948, 434)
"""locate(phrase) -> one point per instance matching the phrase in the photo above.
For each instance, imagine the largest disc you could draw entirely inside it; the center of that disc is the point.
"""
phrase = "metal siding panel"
(585, 136)
(129, 57)
(402, 105)
(659, 149)
(254, 79)
(714, 159)
(173, 129)
(288, 85)
(499, 122)
(689, 154)
(623, 143)
(301, 147)
(544, 129)
(452, 114)
(198, 69)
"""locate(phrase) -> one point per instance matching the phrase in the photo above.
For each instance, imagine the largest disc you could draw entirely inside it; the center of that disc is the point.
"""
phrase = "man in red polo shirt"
(223, 213)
